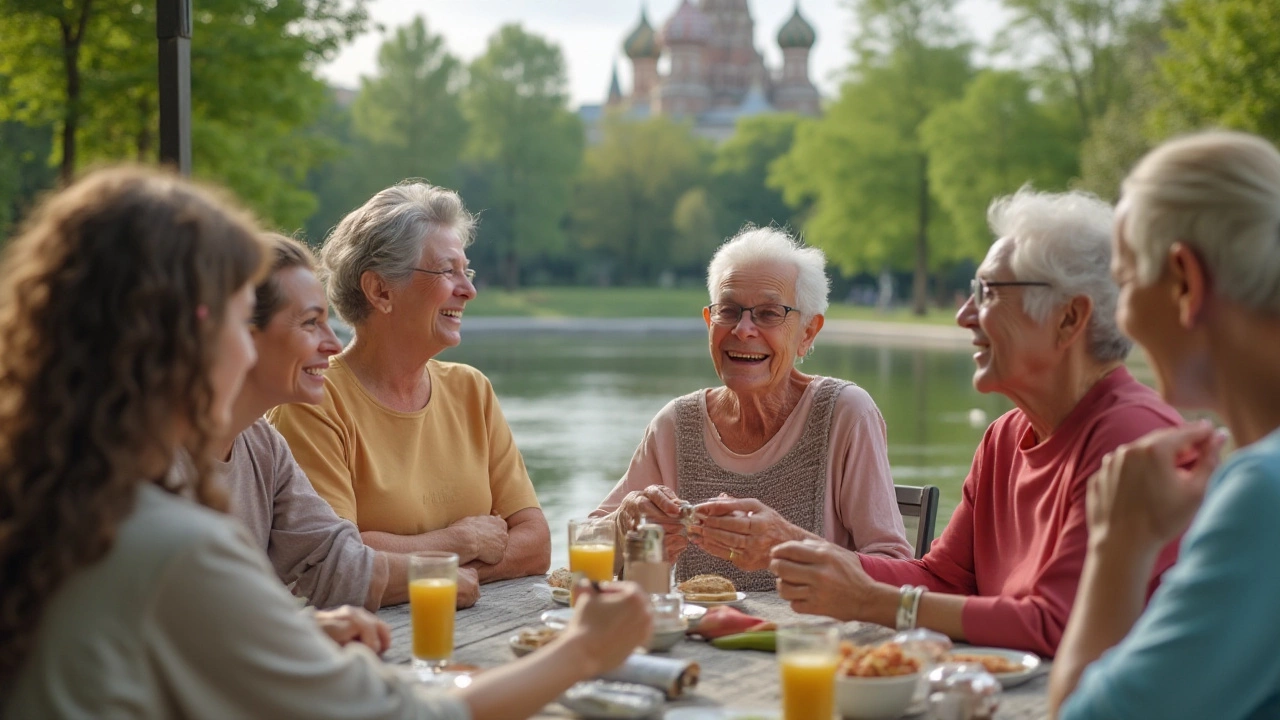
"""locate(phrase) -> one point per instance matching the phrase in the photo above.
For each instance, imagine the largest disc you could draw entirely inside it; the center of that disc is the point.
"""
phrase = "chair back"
(920, 503)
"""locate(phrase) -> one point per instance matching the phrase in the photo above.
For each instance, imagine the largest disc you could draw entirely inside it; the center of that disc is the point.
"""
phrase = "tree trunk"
(511, 263)
(72, 38)
(920, 279)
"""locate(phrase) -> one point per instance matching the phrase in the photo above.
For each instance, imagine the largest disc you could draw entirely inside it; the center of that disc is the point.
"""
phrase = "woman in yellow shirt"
(415, 451)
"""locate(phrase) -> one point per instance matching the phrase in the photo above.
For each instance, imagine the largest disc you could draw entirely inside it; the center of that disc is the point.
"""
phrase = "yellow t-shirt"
(409, 473)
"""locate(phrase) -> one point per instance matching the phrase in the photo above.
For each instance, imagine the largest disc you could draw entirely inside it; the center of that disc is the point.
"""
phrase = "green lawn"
(644, 302)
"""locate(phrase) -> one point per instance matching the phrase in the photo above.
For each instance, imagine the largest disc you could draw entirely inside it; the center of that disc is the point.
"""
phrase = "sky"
(590, 32)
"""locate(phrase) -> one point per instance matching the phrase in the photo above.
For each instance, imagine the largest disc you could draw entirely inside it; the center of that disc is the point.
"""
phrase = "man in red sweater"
(1005, 570)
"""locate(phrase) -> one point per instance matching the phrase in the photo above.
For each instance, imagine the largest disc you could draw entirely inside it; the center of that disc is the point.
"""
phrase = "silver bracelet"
(908, 606)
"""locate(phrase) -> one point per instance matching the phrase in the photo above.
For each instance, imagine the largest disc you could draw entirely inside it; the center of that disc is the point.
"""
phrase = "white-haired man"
(1005, 570)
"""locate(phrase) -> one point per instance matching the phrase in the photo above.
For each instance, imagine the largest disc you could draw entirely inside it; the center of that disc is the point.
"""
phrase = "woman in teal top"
(1197, 258)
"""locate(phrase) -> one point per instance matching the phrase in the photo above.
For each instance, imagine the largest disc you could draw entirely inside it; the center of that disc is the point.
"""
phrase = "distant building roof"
(797, 32)
(643, 41)
(687, 25)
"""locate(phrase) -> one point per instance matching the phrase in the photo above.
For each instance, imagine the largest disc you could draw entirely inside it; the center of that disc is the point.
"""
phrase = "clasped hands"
(740, 530)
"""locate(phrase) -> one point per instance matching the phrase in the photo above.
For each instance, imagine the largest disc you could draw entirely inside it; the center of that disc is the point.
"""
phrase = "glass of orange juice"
(433, 599)
(591, 548)
(808, 653)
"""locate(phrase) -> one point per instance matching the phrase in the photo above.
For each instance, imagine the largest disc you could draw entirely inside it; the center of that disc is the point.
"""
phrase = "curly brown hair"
(286, 253)
(110, 302)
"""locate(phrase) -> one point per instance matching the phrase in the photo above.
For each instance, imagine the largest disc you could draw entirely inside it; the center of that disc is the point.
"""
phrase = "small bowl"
(875, 698)
(665, 638)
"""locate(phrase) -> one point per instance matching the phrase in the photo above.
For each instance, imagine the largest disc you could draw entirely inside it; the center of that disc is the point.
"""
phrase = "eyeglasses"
(764, 315)
(450, 274)
(981, 289)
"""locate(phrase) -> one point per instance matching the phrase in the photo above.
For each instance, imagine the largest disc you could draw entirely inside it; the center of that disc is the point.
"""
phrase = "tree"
(1084, 41)
(522, 130)
(411, 110)
(694, 220)
(254, 90)
(863, 166)
(1222, 67)
(989, 143)
(741, 170)
(631, 183)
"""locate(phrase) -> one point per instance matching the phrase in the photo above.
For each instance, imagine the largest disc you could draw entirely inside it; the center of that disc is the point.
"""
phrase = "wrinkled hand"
(742, 531)
(659, 505)
(819, 578)
(347, 624)
(488, 537)
(611, 623)
(1147, 491)
(468, 587)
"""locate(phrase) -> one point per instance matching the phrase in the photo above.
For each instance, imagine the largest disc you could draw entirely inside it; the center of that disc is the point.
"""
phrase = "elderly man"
(807, 453)
(1004, 571)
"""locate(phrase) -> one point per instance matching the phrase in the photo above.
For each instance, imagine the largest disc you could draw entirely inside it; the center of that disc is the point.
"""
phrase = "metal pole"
(173, 30)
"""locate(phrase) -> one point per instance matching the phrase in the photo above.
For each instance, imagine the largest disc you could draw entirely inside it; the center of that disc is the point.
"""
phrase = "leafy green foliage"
(630, 185)
(1222, 67)
(527, 142)
(989, 143)
(741, 171)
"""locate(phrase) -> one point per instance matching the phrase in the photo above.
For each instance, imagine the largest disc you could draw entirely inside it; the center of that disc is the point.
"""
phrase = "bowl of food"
(530, 639)
(876, 682)
(666, 636)
(710, 590)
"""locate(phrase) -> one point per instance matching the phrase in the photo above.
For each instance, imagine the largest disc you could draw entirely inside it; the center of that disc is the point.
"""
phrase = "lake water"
(578, 405)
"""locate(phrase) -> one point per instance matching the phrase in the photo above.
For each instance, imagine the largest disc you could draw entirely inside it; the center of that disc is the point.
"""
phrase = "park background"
(930, 109)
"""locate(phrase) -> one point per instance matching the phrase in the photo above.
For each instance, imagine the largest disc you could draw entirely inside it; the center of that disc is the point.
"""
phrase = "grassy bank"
(646, 302)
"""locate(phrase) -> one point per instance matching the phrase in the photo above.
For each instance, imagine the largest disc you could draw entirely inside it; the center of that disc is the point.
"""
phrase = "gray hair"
(1218, 192)
(385, 236)
(1064, 239)
(773, 246)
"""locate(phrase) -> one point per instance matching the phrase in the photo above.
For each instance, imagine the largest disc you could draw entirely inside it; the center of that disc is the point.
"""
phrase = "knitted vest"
(795, 486)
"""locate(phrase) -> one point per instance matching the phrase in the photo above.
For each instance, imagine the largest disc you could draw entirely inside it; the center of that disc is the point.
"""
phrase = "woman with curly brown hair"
(125, 309)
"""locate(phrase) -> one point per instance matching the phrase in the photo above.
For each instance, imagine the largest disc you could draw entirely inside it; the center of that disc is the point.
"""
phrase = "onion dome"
(688, 26)
(796, 32)
(643, 41)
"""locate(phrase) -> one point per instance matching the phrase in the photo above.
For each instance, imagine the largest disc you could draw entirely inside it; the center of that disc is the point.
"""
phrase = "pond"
(578, 405)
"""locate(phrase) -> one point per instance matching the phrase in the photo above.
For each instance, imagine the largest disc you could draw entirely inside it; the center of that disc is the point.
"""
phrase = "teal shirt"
(1208, 645)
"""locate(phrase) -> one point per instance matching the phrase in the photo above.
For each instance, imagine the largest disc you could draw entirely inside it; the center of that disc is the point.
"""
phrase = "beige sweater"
(183, 618)
(317, 553)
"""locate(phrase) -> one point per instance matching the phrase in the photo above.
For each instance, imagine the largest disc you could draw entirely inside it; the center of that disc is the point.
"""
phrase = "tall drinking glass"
(433, 598)
(591, 548)
(808, 653)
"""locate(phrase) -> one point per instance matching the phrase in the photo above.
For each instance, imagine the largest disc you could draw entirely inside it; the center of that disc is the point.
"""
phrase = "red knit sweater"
(1017, 541)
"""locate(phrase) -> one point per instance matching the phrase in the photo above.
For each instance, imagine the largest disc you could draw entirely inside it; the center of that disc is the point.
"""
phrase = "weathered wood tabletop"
(745, 679)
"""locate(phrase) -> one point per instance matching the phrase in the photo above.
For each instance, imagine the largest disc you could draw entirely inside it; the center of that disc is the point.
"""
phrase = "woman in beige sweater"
(125, 309)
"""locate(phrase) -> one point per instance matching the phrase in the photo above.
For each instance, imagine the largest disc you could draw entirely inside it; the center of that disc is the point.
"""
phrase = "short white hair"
(1218, 192)
(1063, 239)
(771, 246)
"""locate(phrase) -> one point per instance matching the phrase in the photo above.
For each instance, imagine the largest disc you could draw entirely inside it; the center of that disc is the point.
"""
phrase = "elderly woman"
(414, 451)
(808, 453)
(126, 309)
(1197, 256)
(319, 555)
(1004, 571)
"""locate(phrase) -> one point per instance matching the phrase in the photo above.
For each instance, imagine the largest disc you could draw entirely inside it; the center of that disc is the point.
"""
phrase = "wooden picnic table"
(744, 679)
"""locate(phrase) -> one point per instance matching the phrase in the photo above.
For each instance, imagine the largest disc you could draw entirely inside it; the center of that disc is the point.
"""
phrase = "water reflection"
(578, 405)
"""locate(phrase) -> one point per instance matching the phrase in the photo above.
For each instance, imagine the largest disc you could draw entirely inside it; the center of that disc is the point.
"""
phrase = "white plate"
(1029, 662)
(719, 713)
(607, 700)
(560, 617)
(712, 603)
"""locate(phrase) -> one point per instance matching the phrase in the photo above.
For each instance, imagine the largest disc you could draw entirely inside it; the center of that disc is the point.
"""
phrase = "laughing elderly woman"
(414, 451)
(807, 453)
(1004, 572)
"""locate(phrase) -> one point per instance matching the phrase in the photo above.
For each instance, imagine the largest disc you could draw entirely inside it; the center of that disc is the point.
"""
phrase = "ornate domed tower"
(733, 63)
(795, 92)
(642, 47)
(685, 35)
